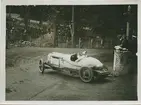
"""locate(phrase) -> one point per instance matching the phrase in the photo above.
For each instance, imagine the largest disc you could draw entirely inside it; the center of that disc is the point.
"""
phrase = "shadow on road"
(74, 78)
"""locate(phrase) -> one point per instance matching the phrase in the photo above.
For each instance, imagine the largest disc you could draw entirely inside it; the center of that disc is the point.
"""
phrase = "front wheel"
(86, 74)
(41, 66)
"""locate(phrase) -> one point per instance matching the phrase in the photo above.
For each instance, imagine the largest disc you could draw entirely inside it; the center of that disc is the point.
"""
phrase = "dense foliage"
(104, 20)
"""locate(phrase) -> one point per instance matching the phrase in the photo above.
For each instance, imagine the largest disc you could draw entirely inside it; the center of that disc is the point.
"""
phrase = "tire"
(86, 74)
(41, 66)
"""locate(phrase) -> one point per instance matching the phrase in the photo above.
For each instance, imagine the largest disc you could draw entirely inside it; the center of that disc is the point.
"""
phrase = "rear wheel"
(41, 66)
(86, 74)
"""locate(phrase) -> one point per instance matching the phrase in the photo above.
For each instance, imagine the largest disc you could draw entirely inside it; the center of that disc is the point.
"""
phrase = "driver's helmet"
(74, 57)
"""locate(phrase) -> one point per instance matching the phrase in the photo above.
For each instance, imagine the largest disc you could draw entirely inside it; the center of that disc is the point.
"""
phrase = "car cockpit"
(77, 56)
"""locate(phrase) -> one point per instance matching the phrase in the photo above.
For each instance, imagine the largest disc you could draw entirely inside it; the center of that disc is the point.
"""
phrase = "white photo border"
(62, 2)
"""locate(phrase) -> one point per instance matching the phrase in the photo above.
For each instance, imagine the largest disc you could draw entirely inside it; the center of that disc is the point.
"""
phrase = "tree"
(100, 19)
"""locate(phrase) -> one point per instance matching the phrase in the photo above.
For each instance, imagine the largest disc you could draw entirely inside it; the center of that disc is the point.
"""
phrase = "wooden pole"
(72, 34)
(79, 42)
(54, 33)
(127, 30)
(128, 24)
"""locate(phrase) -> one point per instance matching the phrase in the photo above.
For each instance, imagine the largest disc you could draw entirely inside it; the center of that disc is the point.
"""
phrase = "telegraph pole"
(128, 23)
(72, 33)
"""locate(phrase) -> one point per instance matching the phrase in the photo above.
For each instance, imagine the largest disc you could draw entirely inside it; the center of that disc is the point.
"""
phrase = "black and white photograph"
(71, 52)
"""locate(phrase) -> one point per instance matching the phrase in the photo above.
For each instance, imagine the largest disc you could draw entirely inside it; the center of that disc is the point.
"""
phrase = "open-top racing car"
(88, 68)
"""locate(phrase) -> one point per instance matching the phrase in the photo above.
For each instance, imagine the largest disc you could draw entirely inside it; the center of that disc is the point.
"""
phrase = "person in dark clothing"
(74, 57)
(133, 45)
(130, 44)
(124, 42)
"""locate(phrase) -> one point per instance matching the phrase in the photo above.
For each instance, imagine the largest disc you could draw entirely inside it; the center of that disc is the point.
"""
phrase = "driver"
(78, 56)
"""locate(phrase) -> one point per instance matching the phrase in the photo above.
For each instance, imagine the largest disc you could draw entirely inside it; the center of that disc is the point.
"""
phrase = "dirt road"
(24, 82)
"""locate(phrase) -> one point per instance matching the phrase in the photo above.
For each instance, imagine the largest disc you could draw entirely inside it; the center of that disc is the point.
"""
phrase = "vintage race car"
(86, 67)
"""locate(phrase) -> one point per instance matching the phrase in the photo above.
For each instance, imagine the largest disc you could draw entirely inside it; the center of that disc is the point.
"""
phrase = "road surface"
(24, 82)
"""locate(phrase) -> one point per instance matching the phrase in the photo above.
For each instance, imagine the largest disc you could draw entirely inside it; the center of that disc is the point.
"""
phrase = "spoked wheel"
(41, 66)
(86, 74)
